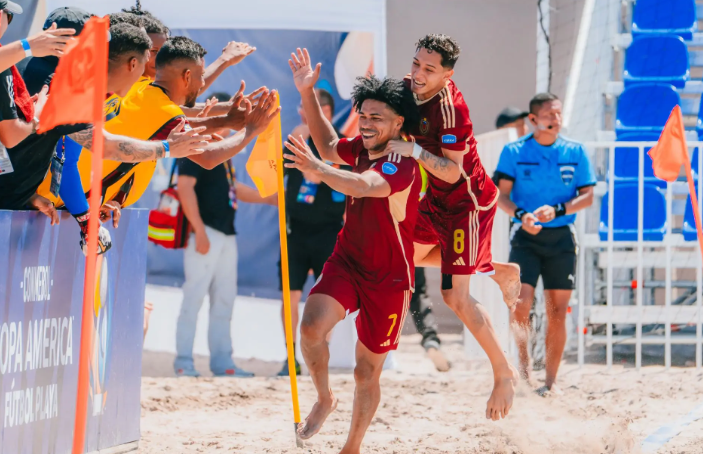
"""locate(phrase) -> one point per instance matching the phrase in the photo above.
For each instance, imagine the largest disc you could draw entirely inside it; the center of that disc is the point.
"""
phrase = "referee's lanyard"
(232, 181)
(57, 166)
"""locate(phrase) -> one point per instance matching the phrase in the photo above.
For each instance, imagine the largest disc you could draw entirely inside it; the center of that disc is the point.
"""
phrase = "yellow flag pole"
(285, 279)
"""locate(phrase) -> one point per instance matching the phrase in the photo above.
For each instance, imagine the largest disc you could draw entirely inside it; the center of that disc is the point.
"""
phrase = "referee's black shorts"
(551, 253)
(308, 251)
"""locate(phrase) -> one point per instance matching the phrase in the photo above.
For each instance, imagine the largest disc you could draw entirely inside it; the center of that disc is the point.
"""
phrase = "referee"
(544, 179)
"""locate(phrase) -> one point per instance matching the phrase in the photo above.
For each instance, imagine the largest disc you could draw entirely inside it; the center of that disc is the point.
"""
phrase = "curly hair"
(126, 18)
(444, 45)
(149, 22)
(393, 93)
(126, 40)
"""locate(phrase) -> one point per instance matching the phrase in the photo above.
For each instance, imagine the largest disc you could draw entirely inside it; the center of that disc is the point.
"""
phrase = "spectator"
(39, 70)
(209, 199)
(544, 179)
(512, 117)
(315, 217)
(157, 31)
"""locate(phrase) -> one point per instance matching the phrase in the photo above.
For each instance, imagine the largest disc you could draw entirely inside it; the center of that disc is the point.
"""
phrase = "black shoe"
(284, 370)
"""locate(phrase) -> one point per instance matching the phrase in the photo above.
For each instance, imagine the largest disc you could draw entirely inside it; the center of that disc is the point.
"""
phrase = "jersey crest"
(424, 126)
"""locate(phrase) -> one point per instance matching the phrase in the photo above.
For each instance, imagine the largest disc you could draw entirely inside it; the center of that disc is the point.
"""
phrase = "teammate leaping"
(371, 269)
(456, 216)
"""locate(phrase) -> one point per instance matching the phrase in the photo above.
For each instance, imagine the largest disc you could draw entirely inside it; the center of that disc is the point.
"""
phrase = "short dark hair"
(126, 40)
(179, 48)
(539, 99)
(325, 98)
(221, 96)
(392, 92)
(126, 18)
(444, 45)
(150, 23)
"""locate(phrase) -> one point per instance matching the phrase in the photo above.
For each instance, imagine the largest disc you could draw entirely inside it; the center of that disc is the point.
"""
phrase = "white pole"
(543, 66)
(667, 297)
(640, 238)
(609, 297)
(577, 62)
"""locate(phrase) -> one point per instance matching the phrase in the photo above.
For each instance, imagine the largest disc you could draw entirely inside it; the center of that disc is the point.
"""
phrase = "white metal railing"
(640, 315)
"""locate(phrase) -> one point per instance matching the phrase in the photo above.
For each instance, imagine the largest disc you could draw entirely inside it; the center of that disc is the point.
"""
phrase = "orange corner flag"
(265, 156)
(81, 77)
(671, 151)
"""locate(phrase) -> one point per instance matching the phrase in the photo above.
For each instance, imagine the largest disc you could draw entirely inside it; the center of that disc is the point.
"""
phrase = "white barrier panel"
(483, 288)
(257, 331)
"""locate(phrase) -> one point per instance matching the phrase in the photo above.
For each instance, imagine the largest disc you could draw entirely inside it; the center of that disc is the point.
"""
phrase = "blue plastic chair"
(627, 159)
(657, 59)
(625, 213)
(677, 17)
(646, 107)
(689, 223)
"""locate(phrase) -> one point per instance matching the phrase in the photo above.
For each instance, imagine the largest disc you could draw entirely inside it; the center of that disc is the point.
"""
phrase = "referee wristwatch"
(519, 213)
(559, 210)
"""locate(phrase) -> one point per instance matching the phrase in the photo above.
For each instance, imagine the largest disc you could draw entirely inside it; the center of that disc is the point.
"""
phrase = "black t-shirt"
(8, 108)
(30, 160)
(37, 72)
(327, 209)
(212, 189)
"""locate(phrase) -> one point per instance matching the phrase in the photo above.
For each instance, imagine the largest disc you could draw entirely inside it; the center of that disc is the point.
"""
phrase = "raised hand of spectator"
(209, 104)
(111, 207)
(304, 76)
(39, 100)
(46, 207)
(529, 224)
(258, 117)
(235, 52)
(183, 144)
(50, 42)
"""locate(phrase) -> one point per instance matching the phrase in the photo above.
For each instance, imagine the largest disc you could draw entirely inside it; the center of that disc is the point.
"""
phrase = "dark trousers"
(421, 310)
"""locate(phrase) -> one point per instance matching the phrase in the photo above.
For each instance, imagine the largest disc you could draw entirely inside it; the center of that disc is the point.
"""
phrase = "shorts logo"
(424, 126)
(388, 168)
(567, 174)
(386, 343)
(449, 138)
(460, 262)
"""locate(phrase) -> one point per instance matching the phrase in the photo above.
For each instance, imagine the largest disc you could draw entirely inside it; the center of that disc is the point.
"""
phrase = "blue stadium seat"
(657, 59)
(627, 159)
(665, 16)
(645, 107)
(625, 213)
(689, 223)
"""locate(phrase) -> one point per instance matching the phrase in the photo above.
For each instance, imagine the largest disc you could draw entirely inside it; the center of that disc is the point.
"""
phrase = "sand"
(422, 411)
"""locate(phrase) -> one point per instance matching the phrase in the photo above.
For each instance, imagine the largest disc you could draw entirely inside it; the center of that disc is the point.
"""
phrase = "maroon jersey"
(445, 123)
(377, 239)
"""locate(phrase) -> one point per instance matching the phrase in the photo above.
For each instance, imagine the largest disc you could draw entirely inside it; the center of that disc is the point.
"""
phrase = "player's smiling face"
(428, 76)
(378, 124)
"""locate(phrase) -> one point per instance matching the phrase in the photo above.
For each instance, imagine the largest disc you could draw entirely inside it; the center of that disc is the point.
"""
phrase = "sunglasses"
(10, 16)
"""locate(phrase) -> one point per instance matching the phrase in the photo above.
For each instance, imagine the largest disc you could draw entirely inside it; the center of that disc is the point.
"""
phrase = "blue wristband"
(26, 47)
(167, 149)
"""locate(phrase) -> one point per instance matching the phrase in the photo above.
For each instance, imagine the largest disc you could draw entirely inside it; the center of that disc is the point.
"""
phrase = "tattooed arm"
(126, 149)
(447, 167)
(120, 148)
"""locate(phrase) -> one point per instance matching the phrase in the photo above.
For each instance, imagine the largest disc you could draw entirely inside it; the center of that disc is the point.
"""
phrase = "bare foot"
(501, 399)
(438, 358)
(320, 411)
(346, 450)
(507, 276)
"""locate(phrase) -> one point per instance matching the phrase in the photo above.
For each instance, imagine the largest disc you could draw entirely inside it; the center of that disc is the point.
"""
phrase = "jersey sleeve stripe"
(443, 108)
(450, 108)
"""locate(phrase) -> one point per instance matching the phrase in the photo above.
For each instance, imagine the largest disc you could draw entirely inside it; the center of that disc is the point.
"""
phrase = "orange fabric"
(671, 152)
(265, 156)
(81, 77)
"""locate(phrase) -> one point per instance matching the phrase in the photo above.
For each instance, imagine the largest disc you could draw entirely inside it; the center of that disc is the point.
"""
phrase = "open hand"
(209, 104)
(302, 158)
(304, 76)
(186, 143)
(401, 147)
(50, 42)
(235, 52)
(258, 117)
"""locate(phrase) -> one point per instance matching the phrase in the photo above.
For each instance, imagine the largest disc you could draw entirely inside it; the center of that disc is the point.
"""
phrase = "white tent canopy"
(320, 15)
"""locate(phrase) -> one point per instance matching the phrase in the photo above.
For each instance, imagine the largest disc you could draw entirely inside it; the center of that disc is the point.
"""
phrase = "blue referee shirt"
(545, 175)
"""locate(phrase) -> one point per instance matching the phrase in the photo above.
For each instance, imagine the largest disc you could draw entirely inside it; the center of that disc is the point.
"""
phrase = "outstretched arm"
(232, 54)
(367, 184)
(446, 168)
(321, 130)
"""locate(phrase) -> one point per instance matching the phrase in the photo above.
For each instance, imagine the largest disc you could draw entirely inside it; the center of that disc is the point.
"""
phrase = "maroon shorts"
(464, 238)
(381, 313)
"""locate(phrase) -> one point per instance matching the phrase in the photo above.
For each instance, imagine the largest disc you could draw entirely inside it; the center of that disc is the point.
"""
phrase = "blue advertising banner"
(41, 296)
